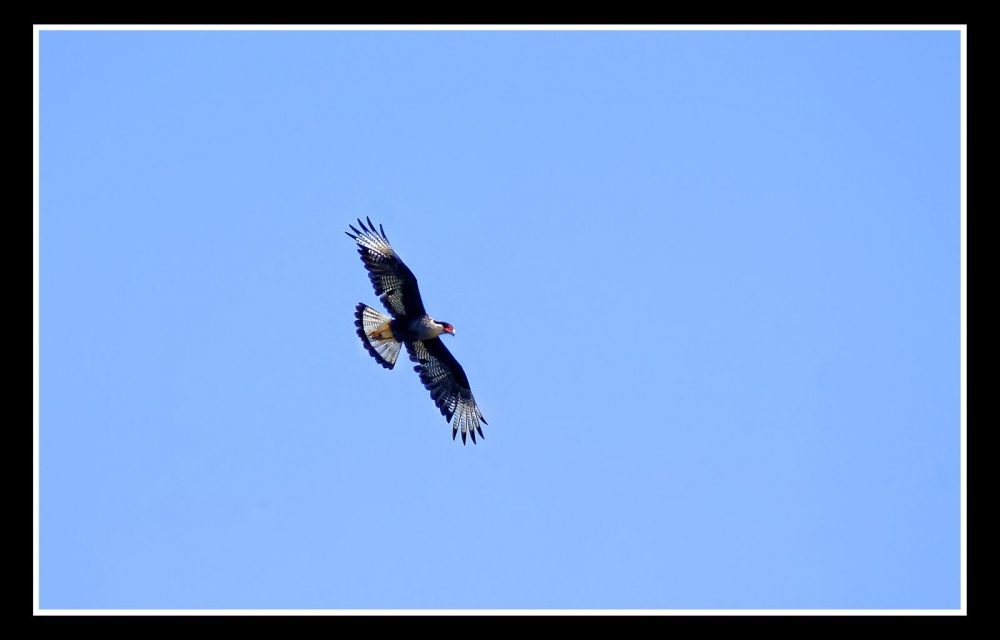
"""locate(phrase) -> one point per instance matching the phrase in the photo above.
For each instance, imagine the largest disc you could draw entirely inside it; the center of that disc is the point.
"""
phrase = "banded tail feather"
(369, 321)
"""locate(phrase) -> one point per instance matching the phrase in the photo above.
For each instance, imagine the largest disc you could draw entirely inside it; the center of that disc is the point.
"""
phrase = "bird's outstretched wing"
(394, 283)
(449, 387)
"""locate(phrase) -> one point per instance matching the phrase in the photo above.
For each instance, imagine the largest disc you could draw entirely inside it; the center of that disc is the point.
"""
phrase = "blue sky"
(706, 288)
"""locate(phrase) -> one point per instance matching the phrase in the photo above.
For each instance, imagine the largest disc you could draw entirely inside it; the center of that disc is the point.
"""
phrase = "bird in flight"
(410, 326)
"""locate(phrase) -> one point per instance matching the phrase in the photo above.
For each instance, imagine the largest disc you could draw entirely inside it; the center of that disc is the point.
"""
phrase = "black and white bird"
(410, 326)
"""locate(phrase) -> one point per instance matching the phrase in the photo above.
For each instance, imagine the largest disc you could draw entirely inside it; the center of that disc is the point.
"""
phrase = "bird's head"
(447, 328)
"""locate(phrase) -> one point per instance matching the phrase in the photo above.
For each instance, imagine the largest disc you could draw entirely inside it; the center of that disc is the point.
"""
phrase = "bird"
(410, 326)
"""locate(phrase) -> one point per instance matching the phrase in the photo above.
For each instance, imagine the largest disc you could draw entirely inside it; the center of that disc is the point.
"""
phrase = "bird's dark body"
(402, 329)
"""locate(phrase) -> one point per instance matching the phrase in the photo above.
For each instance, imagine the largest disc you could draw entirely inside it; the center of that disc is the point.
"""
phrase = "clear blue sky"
(705, 287)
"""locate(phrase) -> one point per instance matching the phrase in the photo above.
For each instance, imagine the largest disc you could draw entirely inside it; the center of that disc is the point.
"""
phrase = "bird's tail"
(369, 321)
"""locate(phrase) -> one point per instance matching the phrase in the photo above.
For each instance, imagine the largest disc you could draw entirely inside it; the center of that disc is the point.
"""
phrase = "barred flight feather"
(394, 283)
(445, 379)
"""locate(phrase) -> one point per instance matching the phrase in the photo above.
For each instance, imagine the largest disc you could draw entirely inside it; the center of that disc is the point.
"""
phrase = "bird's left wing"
(394, 283)
(448, 384)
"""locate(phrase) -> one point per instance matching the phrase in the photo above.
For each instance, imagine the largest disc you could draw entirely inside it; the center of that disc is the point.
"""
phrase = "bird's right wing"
(448, 384)
(394, 283)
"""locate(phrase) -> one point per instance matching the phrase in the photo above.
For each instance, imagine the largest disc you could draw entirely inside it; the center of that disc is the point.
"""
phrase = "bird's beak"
(450, 330)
